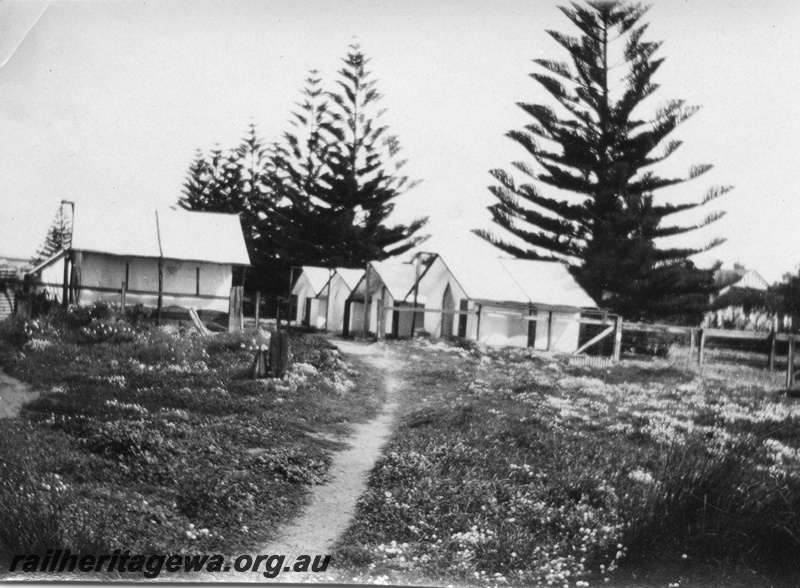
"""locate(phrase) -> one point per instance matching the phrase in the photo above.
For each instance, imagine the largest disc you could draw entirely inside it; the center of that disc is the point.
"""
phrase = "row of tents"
(498, 302)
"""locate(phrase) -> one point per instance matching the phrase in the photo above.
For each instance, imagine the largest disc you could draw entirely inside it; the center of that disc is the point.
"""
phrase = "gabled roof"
(350, 276)
(173, 234)
(397, 277)
(518, 281)
(547, 283)
(318, 277)
(739, 278)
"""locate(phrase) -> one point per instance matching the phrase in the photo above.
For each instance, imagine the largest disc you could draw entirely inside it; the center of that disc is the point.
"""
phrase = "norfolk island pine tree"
(606, 229)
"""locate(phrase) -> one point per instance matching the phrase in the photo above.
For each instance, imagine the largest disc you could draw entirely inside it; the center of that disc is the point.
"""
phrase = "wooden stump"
(278, 353)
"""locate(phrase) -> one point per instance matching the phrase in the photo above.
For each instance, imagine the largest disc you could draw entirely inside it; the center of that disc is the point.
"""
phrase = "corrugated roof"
(548, 283)
(350, 276)
(175, 234)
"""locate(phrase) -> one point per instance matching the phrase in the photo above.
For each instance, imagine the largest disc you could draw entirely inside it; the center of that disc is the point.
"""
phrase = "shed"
(191, 254)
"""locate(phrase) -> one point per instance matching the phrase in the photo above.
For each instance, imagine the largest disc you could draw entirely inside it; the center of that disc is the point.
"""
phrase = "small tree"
(59, 236)
(597, 152)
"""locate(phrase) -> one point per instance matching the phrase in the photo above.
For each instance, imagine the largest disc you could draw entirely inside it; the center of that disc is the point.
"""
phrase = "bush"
(138, 314)
(657, 344)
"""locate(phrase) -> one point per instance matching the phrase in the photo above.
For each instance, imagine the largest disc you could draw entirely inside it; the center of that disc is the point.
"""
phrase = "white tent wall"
(319, 309)
(339, 293)
(107, 272)
(356, 317)
(503, 327)
(564, 331)
(303, 290)
(432, 286)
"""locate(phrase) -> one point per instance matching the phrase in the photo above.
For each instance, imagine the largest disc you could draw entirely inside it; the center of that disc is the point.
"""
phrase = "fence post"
(617, 339)
(771, 362)
(790, 364)
(124, 295)
(702, 347)
(258, 308)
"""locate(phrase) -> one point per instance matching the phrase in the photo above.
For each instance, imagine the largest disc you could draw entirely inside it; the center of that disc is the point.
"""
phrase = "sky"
(104, 103)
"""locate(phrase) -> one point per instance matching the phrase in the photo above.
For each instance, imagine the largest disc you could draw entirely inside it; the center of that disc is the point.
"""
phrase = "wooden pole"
(790, 364)
(124, 295)
(328, 302)
(549, 330)
(771, 361)
(65, 286)
(478, 327)
(617, 338)
(160, 289)
(692, 344)
(701, 351)
(416, 292)
(258, 308)
(366, 303)
(291, 284)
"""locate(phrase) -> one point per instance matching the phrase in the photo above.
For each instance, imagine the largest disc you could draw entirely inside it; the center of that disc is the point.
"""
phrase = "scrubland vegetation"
(515, 468)
(155, 440)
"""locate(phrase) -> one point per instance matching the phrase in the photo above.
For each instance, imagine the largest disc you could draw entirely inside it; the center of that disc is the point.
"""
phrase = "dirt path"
(332, 505)
(13, 394)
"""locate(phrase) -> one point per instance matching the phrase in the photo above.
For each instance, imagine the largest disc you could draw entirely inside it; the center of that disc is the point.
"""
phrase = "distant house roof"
(173, 234)
(725, 279)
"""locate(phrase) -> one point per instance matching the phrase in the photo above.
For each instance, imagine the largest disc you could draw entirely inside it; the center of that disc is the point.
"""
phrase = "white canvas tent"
(196, 252)
(517, 303)
(321, 294)
(387, 284)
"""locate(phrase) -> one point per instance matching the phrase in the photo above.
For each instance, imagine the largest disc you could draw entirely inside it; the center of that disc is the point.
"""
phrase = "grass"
(156, 441)
(508, 468)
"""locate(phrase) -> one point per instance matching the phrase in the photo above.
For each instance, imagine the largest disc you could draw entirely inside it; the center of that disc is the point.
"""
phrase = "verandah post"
(258, 308)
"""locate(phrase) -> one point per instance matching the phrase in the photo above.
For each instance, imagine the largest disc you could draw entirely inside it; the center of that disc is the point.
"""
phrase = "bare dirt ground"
(332, 505)
(13, 394)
